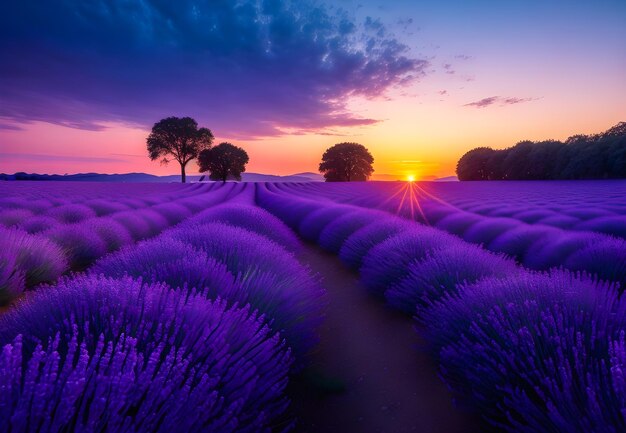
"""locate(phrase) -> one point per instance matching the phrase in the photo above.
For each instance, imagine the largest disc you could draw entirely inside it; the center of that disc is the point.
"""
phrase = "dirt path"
(367, 375)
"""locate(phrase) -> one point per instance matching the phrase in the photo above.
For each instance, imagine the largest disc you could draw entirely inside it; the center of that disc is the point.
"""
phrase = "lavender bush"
(606, 260)
(387, 263)
(253, 219)
(71, 213)
(359, 243)
(484, 232)
(103, 207)
(97, 354)
(36, 258)
(167, 260)
(610, 225)
(458, 223)
(532, 351)
(516, 242)
(290, 211)
(314, 223)
(80, 244)
(137, 226)
(268, 277)
(14, 217)
(38, 224)
(335, 234)
(441, 272)
(113, 234)
(12, 281)
(172, 212)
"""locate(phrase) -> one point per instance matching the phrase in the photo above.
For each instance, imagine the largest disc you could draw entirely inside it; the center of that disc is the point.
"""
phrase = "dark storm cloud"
(245, 68)
(499, 100)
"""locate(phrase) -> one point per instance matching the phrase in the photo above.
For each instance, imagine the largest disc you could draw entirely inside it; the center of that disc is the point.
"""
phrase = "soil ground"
(368, 374)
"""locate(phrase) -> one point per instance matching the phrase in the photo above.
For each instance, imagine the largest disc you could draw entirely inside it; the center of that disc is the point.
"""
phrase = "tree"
(346, 162)
(598, 156)
(178, 138)
(224, 161)
(474, 165)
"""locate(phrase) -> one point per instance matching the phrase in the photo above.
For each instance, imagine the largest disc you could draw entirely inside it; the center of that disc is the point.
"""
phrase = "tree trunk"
(183, 176)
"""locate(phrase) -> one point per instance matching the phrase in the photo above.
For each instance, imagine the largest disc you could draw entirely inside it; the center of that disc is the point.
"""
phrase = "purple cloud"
(448, 68)
(244, 69)
(498, 100)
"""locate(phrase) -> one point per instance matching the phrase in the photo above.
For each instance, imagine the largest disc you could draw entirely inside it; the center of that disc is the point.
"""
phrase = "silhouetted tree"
(599, 156)
(474, 165)
(178, 138)
(224, 161)
(346, 162)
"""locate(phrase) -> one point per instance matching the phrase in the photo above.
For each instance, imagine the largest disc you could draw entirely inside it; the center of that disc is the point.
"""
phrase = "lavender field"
(313, 307)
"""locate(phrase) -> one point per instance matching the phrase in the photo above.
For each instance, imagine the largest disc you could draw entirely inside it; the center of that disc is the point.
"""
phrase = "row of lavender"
(536, 246)
(44, 238)
(531, 352)
(194, 330)
(596, 206)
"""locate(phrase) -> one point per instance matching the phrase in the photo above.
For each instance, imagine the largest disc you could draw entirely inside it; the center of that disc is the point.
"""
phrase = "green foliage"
(224, 161)
(600, 156)
(178, 138)
(346, 162)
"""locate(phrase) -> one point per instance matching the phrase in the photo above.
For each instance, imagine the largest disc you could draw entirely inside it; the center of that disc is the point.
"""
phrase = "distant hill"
(144, 177)
(446, 179)
(313, 176)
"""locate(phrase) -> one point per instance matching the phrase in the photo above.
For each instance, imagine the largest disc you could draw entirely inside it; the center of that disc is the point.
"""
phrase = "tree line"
(180, 139)
(598, 156)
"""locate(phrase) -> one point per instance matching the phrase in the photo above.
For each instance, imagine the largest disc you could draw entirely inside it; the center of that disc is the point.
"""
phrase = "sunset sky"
(417, 82)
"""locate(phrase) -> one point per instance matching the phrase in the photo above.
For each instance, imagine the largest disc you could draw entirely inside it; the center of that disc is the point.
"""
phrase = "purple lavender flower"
(36, 258)
(364, 239)
(38, 224)
(114, 234)
(172, 212)
(387, 263)
(336, 232)
(458, 223)
(314, 223)
(516, 242)
(267, 276)
(531, 351)
(12, 281)
(254, 219)
(441, 272)
(14, 217)
(81, 245)
(169, 261)
(71, 213)
(605, 259)
(97, 354)
(485, 231)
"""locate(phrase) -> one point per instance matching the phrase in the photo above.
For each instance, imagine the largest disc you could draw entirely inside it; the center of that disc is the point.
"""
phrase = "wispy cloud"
(499, 101)
(447, 67)
(63, 158)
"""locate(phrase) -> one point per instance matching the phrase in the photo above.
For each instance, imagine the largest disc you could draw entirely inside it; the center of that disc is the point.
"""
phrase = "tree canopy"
(178, 138)
(224, 161)
(346, 162)
(599, 156)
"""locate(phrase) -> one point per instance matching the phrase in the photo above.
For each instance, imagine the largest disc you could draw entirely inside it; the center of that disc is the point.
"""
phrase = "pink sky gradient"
(485, 75)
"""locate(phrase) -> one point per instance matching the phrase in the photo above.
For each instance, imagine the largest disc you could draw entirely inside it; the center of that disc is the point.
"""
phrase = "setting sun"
(410, 178)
